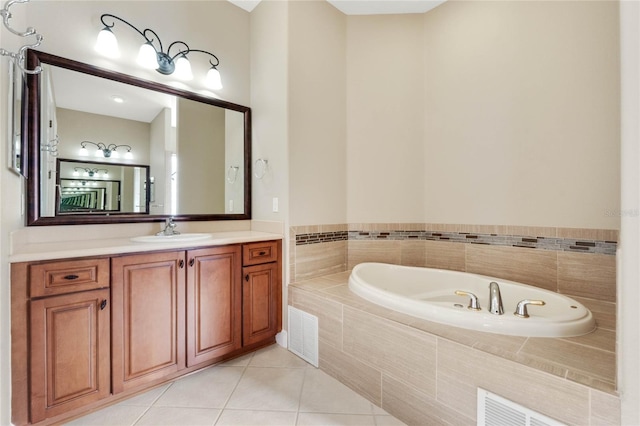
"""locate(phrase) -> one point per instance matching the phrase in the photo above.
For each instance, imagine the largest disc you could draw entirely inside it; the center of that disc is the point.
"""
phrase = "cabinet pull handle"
(103, 304)
(246, 278)
(71, 277)
(192, 262)
(262, 253)
(181, 263)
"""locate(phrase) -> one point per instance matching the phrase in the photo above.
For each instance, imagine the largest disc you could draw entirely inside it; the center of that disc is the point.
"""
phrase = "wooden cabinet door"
(69, 352)
(260, 303)
(214, 303)
(148, 318)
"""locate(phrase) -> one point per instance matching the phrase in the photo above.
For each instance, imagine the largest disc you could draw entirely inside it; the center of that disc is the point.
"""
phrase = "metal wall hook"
(261, 167)
(30, 31)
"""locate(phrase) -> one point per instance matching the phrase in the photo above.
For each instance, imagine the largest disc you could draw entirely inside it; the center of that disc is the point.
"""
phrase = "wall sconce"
(90, 172)
(151, 57)
(107, 151)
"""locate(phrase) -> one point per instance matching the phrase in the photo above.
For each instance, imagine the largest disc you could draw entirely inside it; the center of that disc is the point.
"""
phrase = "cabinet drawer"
(60, 277)
(262, 252)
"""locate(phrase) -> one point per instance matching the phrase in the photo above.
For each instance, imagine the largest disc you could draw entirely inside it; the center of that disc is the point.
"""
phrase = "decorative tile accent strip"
(321, 237)
(540, 243)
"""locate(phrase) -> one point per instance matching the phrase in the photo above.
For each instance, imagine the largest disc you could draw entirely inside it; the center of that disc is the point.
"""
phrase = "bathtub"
(431, 294)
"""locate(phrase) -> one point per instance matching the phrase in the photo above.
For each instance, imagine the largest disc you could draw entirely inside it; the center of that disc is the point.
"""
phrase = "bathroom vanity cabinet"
(87, 332)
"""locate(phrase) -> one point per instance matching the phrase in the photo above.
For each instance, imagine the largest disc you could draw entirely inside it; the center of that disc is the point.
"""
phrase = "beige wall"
(522, 113)
(73, 126)
(385, 142)
(485, 113)
(317, 113)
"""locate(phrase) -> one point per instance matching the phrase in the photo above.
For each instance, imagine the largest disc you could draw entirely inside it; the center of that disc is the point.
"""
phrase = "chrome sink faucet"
(495, 300)
(169, 228)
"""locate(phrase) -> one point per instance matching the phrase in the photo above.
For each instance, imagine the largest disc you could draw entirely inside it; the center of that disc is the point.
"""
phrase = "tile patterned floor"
(268, 387)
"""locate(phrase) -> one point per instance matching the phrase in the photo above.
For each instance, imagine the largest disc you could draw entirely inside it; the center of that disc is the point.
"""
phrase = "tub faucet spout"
(495, 300)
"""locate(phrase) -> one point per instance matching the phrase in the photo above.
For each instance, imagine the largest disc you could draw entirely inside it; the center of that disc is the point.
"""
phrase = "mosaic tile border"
(540, 243)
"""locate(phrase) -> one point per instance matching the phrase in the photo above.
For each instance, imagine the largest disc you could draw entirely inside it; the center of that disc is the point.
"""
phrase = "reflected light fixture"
(90, 172)
(152, 57)
(107, 151)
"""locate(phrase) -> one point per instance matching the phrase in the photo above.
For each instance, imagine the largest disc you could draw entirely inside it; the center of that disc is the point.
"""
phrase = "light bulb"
(84, 152)
(107, 43)
(99, 153)
(213, 80)
(76, 173)
(147, 56)
(128, 155)
(114, 154)
(183, 68)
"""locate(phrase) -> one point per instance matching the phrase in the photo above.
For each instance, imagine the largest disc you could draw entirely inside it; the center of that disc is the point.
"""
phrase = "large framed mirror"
(167, 152)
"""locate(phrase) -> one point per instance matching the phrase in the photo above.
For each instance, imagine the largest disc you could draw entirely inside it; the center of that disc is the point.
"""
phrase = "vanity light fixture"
(90, 172)
(152, 57)
(107, 151)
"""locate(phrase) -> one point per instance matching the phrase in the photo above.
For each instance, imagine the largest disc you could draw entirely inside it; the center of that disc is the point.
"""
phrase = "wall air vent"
(493, 410)
(303, 335)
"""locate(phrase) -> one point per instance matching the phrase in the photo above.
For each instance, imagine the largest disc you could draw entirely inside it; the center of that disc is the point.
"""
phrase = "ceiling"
(365, 7)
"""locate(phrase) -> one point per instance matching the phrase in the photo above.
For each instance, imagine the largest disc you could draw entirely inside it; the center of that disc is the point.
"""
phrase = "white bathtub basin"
(170, 238)
(430, 294)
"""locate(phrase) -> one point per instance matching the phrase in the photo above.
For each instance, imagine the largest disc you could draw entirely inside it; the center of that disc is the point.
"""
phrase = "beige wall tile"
(313, 260)
(329, 314)
(360, 377)
(600, 339)
(605, 409)
(589, 234)
(532, 231)
(416, 408)
(603, 312)
(587, 275)
(528, 266)
(445, 255)
(412, 253)
(576, 357)
(443, 227)
(336, 227)
(373, 251)
(397, 350)
(483, 229)
(552, 396)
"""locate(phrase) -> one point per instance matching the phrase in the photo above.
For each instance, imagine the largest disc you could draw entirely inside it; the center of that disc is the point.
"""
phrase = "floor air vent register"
(303, 335)
(493, 410)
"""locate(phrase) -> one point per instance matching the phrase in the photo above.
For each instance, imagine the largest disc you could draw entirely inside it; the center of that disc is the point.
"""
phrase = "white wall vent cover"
(303, 335)
(493, 410)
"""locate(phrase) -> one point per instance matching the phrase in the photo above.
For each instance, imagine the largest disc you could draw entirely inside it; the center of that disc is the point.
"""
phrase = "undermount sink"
(170, 238)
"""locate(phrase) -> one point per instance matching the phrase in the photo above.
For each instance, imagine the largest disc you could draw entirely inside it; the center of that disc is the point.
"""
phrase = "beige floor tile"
(322, 393)
(121, 415)
(253, 418)
(171, 416)
(324, 419)
(277, 356)
(148, 398)
(241, 361)
(268, 389)
(209, 388)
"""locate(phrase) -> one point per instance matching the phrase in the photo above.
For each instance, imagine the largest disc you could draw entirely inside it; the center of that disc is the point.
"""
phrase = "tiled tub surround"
(424, 369)
(427, 373)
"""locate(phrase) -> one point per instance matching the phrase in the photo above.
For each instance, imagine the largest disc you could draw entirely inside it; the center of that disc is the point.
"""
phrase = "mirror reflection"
(164, 154)
(98, 188)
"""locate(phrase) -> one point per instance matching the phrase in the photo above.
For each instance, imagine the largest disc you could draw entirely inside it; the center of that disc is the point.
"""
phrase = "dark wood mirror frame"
(31, 144)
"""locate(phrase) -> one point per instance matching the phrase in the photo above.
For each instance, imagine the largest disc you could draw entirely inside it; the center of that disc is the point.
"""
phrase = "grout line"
(244, 369)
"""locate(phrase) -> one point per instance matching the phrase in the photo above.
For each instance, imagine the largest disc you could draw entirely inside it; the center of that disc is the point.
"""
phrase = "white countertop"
(99, 247)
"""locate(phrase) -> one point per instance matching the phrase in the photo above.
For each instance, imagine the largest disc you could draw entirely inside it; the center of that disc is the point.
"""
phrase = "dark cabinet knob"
(103, 304)
(246, 278)
(192, 262)
(71, 277)
(181, 264)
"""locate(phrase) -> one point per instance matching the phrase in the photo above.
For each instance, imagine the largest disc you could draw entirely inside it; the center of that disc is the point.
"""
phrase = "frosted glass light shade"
(183, 68)
(107, 44)
(84, 152)
(128, 155)
(213, 80)
(147, 56)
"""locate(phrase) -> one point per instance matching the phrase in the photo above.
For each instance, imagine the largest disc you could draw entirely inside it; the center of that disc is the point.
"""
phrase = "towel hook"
(30, 31)
(262, 166)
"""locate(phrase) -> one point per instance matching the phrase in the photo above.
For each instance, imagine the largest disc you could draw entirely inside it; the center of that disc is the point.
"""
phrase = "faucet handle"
(474, 305)
(521, 308)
